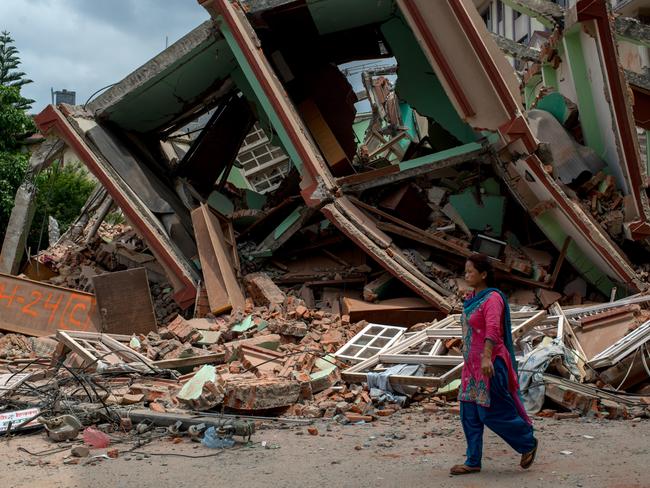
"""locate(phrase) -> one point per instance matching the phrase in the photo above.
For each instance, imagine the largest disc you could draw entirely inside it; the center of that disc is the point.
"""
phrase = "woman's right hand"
(487, 367)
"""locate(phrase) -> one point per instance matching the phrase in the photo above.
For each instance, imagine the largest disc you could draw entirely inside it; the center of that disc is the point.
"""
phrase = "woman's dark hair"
(483, 265)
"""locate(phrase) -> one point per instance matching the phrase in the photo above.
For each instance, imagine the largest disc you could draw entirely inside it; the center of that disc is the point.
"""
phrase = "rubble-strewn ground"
(408, 449)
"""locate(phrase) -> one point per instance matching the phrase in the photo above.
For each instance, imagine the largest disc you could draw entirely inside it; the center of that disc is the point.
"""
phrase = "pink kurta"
(485, 323)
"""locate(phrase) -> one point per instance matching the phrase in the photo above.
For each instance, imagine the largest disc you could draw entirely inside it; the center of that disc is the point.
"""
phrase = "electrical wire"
(629, 369)
(45, 453)
(174, 454)
(98, 91)
(643, 353)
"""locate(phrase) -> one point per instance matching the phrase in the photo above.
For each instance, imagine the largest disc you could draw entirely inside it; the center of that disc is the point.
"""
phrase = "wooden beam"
(225, 256)
(560, 261)
(214, 358)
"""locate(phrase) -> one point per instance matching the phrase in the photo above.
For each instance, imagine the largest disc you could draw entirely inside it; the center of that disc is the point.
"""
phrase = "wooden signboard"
(39, 309)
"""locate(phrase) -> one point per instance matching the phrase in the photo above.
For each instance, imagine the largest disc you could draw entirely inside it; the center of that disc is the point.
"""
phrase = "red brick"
(157, 407)
(566, 415)
(263, 291)
(183, 330)
(332, 336)
(355, 417)
(387, 412)
(247, 393)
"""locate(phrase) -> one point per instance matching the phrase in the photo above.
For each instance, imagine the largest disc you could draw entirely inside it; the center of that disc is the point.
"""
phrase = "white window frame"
(370, 340)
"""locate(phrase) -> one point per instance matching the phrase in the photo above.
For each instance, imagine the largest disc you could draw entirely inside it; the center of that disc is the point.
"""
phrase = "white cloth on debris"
(534, 364)
(384, 391)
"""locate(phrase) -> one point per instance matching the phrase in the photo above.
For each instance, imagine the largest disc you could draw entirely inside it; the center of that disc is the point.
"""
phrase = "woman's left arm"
(493, 312)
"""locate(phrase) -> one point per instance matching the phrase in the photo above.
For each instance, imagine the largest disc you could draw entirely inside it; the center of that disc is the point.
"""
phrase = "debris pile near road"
(287, 256)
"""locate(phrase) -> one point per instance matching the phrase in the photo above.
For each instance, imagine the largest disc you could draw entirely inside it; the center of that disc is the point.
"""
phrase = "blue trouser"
(501, 417)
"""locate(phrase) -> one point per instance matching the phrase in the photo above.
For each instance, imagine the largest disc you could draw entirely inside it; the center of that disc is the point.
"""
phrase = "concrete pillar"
(20, 222)
(95, 200)
(100, 215)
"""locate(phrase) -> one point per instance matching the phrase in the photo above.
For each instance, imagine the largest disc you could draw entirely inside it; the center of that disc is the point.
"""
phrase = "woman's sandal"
(528, 458)
(464, 469)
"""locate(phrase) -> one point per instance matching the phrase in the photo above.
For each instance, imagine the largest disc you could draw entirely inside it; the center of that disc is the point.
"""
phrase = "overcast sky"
(83, 45)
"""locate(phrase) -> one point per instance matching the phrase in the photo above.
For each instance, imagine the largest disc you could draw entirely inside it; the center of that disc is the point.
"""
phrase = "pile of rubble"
(73, 264)
(254, 278)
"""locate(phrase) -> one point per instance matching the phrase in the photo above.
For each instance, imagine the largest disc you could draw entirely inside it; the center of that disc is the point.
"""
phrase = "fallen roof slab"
(178, 269)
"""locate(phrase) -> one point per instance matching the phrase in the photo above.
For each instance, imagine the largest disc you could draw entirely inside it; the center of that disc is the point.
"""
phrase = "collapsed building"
(371, 217)
(463, 125)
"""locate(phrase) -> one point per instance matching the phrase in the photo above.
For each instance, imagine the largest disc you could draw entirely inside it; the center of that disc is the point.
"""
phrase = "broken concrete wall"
(72, 128)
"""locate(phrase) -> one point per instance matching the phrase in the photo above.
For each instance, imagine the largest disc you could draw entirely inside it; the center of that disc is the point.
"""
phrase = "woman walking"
(489, 392)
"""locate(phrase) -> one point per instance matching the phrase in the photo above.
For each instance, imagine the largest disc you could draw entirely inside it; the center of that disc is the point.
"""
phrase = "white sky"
(83, 45)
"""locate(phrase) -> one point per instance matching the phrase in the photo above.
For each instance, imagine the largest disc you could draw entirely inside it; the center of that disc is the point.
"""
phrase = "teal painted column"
(549, 76)
(529, 90)
(251, 87)
(588, 115)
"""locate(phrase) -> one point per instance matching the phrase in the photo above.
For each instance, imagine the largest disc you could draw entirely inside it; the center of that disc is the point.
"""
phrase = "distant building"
(505, 21)
(264, 165)
(64, 96)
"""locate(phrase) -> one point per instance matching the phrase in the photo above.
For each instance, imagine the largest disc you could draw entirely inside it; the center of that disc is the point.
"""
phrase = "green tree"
(13, 166)
(15, 126)
(9, 74)
(61, 192)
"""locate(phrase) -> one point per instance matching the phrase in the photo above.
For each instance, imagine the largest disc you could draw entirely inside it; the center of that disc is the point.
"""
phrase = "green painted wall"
(291, 219)
(237, 178)
(586, 104)
(549, 75)
(327, 13)
(166, 95)
(418, 85)
(439, 156)
(490, 211)
(555, 104)
(408, 120)
(246, 81)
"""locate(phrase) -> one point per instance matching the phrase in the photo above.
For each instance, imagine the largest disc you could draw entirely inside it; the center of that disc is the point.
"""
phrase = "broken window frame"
(367, 332)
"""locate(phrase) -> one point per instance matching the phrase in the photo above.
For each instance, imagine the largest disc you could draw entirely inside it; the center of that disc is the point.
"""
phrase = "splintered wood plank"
(224, 259)
(420, 359)
(214, 283)
(213, 358)
(124, 302)
(229, 232)
(396, 311)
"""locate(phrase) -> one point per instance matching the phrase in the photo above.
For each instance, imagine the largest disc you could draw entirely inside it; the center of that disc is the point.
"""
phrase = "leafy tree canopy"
(9, 69)
(15, 124)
